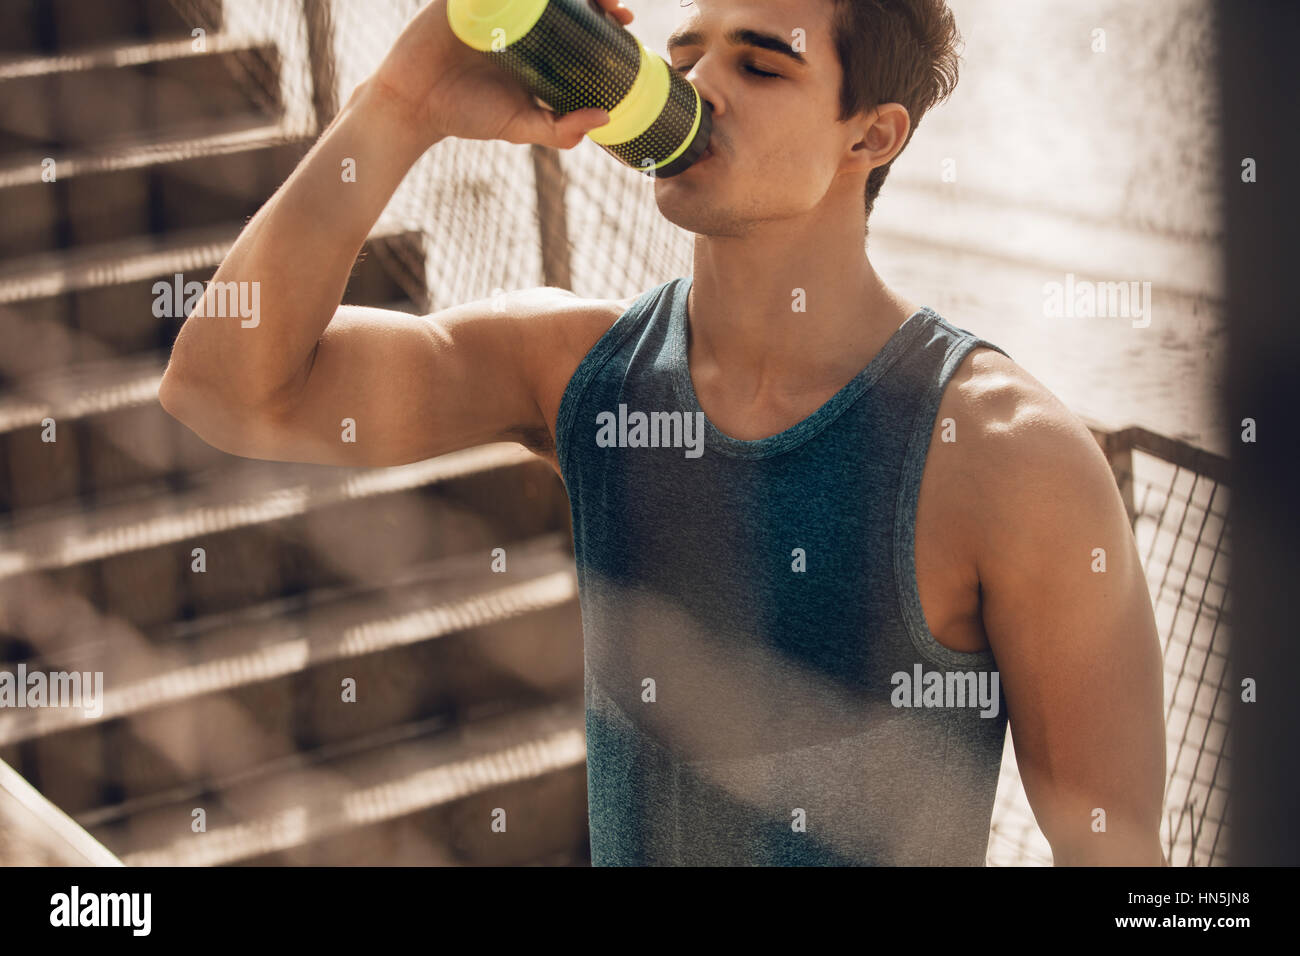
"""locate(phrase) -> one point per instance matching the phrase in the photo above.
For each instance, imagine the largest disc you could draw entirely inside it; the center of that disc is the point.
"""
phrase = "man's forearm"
(300, 249)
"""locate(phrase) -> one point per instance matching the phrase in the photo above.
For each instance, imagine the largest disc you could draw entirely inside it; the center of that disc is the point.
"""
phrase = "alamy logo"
(951, 689)
(102, 909)
(55, 689)
(655, 430)
(177, 299)
(1088, 300)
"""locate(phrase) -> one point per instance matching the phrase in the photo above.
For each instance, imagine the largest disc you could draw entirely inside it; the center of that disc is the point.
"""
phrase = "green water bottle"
(571, 55)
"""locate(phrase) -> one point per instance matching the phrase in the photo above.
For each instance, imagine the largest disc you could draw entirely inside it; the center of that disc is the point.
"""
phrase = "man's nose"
(701, 78)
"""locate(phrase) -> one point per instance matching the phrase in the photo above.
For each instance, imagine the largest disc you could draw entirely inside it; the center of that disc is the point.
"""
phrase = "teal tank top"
(760, 684)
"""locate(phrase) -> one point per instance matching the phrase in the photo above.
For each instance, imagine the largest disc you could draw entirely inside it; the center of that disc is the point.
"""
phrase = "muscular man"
(829, 544)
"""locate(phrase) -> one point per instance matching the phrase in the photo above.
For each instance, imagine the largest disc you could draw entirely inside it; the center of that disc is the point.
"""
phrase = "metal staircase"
(224, 688)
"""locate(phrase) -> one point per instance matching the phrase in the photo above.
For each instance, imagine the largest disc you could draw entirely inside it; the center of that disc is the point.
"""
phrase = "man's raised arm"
(278, 384)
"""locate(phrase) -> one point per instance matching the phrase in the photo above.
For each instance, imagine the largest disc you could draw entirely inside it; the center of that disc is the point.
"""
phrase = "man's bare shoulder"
(564, 313)
(1022, 454)
(1013, 422)
(563, 328)
(995, 394)
(576, 324)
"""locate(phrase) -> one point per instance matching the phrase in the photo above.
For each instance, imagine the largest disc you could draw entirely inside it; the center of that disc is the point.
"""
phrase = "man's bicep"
(389, 388)
(1068, 615)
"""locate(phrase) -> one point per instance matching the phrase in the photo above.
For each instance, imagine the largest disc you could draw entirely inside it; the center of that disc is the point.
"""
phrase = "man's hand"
(449, 89)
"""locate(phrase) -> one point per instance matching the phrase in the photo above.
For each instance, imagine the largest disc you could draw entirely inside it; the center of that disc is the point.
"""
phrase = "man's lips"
(704, 157)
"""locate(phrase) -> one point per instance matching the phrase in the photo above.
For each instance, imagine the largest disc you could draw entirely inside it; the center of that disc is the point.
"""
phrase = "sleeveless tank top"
(760, 684)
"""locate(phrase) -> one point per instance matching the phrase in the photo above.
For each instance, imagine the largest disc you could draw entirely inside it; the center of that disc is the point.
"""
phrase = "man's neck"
(784, 316)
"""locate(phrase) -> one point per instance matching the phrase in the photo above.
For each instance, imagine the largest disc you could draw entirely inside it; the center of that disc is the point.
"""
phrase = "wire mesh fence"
(1181, 529)
(497, 217)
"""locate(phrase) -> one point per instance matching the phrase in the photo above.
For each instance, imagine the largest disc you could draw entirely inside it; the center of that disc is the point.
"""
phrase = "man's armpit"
(537, 439)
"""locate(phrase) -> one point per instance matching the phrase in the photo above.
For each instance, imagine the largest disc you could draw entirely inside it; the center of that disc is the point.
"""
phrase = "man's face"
(777, 143)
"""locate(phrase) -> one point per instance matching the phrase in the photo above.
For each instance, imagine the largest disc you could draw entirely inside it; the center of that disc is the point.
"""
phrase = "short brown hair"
(894, 51)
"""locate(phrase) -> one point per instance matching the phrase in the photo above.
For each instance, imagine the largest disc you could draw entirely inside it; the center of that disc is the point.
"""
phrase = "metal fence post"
(552, 220)
(320, 52)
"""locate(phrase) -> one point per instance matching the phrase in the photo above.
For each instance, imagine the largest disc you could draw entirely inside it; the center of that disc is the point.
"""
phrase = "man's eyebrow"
(741, 36)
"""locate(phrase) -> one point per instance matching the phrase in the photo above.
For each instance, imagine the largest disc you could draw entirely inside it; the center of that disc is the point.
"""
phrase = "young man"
(828, 544)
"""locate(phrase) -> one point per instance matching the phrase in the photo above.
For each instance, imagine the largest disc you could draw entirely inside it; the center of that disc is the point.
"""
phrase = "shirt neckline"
(718, 441)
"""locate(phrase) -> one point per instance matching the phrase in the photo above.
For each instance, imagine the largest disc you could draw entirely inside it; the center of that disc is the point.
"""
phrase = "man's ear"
(881, 135)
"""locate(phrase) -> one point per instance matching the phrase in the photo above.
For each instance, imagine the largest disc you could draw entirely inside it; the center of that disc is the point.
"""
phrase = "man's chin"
(689, 214)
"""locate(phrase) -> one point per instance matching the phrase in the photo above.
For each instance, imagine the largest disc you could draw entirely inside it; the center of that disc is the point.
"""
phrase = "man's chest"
(945, 524)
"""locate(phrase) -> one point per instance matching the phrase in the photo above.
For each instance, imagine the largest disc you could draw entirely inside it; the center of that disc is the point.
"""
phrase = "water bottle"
(572, 55)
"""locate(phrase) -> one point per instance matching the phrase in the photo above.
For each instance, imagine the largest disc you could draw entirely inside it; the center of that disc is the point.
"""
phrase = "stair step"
(145, 257)
(232, 649)
(246, 687)
(548, 813)
(117, 94)
(91, 303)
(143, 188)
(110, 433)
(436, 789)
(223, 688)
(269, 532)
(530, 657)
(219, 137)
(47, 26)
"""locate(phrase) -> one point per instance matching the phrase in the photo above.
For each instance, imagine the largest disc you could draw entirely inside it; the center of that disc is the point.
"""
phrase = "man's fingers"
(621, 13)
(565, 132)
